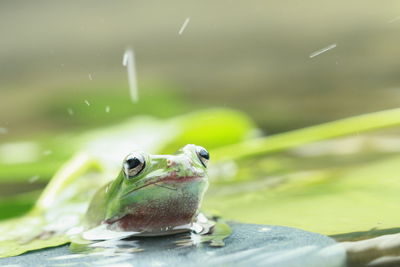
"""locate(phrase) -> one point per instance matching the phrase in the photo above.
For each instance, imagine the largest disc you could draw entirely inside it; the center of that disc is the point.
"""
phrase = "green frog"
(153, 194)
(104, 193)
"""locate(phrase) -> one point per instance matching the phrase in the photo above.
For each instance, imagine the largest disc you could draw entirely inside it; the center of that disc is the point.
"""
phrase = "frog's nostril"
(170, 163)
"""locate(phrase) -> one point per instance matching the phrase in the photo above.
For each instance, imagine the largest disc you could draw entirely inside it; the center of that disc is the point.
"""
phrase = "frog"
(152, 195)
(81, 204)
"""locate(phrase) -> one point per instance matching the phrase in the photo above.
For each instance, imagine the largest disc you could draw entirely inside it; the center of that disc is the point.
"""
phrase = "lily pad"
(249, 245)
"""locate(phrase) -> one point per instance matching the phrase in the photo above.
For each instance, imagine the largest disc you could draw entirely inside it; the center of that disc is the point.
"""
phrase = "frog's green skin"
(165, 194)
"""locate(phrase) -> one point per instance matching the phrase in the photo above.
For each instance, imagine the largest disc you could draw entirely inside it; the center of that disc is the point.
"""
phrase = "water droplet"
(394, 19)
(323, 50)
(47, 152)
(129, 62)
(33, 179)
(183, 27)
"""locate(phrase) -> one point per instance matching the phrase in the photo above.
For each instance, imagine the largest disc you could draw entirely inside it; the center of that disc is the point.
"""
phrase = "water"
(282, 246)
(206, 231)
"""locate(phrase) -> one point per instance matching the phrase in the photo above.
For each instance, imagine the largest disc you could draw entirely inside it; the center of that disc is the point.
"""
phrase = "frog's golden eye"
(134, 163)
(203, 155)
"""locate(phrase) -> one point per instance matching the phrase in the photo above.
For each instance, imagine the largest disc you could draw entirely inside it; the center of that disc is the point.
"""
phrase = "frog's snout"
(178, 162)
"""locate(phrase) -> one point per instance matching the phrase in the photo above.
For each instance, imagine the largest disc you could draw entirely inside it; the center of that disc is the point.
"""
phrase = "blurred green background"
(249, 55)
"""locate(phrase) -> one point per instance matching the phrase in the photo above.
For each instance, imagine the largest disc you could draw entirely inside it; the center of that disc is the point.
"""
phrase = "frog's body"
(158, 196)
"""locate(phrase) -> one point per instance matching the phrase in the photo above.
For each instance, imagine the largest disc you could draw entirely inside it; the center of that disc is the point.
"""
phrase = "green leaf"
(340, 194)
(284, 141)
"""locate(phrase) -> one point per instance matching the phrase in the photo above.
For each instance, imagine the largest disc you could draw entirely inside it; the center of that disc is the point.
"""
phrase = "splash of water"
(323, 50)
(129, 62)
(183, 27)
(102, 240)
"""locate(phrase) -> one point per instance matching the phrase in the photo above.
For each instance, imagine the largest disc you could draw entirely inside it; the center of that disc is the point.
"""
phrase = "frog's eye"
(134, 163)
(203, 155)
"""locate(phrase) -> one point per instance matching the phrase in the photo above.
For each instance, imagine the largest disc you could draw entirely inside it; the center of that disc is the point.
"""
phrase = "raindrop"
(33, 179)
(129, 62)
(183, 27)
(394, 19)
(323, 50)
(47, 152)
(3, 130)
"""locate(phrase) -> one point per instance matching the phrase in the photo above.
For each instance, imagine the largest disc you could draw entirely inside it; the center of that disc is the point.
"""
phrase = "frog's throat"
(169, 179)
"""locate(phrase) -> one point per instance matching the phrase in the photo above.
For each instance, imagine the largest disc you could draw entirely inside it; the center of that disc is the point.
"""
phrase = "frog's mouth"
(167, 182)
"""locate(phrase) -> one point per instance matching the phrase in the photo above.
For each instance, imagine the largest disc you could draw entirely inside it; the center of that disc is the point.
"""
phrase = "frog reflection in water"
(153, 194)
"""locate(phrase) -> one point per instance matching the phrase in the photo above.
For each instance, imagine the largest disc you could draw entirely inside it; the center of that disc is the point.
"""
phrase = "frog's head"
(155, 193)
